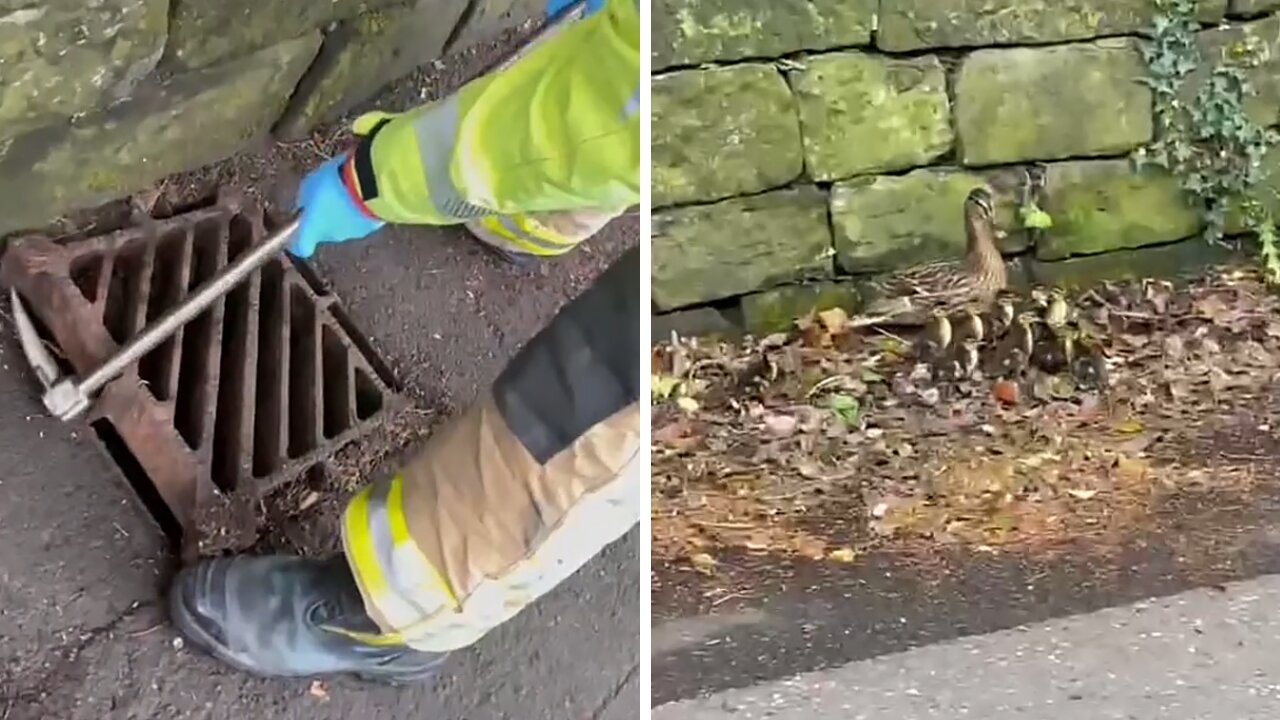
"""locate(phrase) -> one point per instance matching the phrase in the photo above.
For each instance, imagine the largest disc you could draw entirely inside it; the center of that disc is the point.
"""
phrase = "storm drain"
(261, 388)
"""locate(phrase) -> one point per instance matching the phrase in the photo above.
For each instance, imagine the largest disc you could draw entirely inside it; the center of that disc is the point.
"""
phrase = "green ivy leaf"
(1036, 219)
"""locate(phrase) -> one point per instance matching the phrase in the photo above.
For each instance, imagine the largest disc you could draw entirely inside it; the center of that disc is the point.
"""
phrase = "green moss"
(889, 222)
(1010, 103)
(373, 23)
(203, 32)
(101, 180)
(1166, 261)
(710, 252)
(723, 132)
(62, 59)
(1104, 205)
(776, 310)
(190, 121)
(690, 32)
(918, 24)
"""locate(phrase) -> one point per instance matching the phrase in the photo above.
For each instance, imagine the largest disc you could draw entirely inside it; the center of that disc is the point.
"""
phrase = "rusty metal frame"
(145, 418)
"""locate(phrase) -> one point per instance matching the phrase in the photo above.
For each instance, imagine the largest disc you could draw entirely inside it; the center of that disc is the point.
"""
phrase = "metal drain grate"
(266, 384)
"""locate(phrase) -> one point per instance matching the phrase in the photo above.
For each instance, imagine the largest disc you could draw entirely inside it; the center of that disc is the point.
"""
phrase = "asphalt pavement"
(83, 634)
(1205, 654)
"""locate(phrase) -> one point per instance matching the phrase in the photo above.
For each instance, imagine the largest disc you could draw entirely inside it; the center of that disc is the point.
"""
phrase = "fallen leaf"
(780, 426)
(835, 320)
(843, 555)
(1131, 468)
(663, 386)
(846, 408)
(1082, 494)
(811, 547)
(317, 690)
(703, 563)
(1132, 426)
(1006, 392)
(310, 499)
(677, 435)
(1214, 308)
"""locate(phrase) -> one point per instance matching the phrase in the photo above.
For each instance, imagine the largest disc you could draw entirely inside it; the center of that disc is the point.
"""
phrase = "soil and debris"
(829, 443)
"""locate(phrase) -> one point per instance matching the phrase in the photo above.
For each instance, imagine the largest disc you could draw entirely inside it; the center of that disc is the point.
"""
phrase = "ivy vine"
(1207, 140)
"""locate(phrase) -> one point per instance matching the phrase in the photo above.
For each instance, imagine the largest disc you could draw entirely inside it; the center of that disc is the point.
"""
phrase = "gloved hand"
(329, 213)
(555, 6)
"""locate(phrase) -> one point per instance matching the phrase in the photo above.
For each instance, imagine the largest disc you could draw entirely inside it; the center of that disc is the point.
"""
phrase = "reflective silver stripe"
(384, 547)
(437, 133)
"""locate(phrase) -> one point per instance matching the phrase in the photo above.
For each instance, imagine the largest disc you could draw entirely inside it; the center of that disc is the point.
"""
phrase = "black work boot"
(283, 616)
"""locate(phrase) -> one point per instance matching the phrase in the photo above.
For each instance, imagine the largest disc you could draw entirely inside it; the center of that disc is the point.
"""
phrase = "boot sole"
(186, 624)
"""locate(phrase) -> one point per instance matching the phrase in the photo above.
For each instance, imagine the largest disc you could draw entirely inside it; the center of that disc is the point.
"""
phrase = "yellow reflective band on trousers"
(545, 234)
(557, 129)
(474, 529)
(525, 234)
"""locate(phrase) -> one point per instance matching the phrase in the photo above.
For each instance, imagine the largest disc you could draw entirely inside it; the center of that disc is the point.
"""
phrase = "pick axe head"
(63, 398)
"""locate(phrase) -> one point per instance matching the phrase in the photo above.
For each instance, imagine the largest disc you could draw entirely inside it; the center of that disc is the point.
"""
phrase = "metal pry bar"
(68, 397)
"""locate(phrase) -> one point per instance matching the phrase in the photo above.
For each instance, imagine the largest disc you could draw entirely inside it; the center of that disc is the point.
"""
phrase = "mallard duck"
(913, 295)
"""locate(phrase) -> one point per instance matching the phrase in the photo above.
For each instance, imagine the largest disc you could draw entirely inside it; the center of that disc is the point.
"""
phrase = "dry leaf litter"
(826, 442)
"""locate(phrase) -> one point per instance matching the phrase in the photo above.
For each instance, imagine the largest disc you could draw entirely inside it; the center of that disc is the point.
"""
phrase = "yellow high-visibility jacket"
(557, 129)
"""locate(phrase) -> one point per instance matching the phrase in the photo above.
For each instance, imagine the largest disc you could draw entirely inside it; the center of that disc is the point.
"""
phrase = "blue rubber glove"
(555, 6)
(329, 214)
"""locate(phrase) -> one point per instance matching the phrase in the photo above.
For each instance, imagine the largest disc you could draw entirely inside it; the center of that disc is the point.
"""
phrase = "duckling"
(970, 325)
(1001, 315)
(1051, 352)
(1089, 363)
(969, 357)
(950, 285)
(1056, 313)
(1040, 298)
(936, 339)
(1014, 353)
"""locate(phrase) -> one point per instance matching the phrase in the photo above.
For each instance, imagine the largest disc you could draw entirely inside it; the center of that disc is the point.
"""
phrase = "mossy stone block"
(723, 132)
(188, 121)
(61, 58)
(692, 32)
(1103, 205)
(907, 25)
(896, 221)
(862, 113)
(1068, 101)
(710, 252)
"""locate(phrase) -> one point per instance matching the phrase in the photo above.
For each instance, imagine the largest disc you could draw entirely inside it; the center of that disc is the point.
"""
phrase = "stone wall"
(100, 99)
(800, 145)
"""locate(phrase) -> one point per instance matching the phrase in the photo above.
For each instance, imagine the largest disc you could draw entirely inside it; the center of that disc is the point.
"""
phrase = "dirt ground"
(832, 444)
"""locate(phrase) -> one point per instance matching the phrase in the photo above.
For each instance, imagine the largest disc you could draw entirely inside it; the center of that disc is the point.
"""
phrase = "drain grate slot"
(264, 385)
(339, 386)
(136, 476)
(272, 359)
(304, 354)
